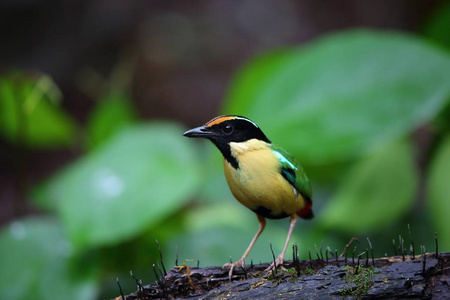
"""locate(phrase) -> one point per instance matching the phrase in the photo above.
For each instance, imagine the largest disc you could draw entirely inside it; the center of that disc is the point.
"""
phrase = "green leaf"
(438, 192)
(37, 261)
(376, 192)
(30, 113)
(111, 114)
(136, 179)
(343, 94)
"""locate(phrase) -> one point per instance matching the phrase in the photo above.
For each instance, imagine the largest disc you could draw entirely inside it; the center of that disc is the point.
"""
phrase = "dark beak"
(199, 132)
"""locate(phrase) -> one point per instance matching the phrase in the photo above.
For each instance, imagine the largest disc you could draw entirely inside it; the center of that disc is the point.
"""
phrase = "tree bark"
(398, 277)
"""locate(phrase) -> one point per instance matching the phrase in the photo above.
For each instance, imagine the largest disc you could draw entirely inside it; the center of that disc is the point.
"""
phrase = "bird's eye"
(227, 129)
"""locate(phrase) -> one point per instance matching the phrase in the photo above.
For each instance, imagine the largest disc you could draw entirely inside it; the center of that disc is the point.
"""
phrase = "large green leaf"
(112, 113)
(376, 192)
(30, 111)
(36, 263)
(333, 98)
(438, 193)
(137, 178)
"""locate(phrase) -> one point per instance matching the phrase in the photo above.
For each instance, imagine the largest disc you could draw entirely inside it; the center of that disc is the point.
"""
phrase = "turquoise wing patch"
(287, 168)
(293, 172)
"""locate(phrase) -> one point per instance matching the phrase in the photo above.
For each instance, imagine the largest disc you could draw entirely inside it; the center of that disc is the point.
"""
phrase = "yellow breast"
(258, 183)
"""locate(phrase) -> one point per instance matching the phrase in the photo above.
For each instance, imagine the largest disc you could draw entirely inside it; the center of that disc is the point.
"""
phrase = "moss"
(285, 275)
(360, 280)
(308, 271)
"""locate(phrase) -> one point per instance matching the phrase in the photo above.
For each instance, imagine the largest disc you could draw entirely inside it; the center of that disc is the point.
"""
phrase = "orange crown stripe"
(219, 119)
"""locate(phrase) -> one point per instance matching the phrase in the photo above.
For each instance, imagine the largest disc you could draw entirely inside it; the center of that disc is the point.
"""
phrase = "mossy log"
(399, 277)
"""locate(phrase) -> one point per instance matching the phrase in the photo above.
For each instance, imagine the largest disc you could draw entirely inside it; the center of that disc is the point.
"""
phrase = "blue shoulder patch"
(284, 160)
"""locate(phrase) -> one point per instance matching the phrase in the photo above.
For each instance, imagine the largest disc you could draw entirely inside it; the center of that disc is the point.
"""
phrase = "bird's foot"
(239, 263)
(278, 263)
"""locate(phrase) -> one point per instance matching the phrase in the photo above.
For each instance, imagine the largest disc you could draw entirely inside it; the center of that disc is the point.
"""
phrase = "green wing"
(293, 172)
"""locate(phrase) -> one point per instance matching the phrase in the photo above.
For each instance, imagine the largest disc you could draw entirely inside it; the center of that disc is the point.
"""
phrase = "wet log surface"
(398, 277)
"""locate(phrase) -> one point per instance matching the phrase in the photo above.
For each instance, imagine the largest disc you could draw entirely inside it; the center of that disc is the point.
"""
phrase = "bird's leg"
(241, 262)
(280, 259)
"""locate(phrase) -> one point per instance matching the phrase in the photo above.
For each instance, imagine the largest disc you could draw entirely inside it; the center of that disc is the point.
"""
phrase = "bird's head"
(223, 130)
(226, 129)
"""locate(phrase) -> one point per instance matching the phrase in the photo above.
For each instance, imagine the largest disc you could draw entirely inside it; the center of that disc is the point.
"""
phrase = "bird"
(261, 175)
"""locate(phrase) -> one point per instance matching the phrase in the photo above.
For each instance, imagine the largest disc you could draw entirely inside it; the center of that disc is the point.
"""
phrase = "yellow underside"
(258, 182)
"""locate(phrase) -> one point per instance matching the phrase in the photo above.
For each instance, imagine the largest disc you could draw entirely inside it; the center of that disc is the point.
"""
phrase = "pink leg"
(241, 262)
(280, 259)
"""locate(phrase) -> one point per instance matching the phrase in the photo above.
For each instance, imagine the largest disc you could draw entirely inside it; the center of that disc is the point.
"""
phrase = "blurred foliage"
(438, 28)
(342, 94)
(111, 113)
(37, 263)
(439, 189)
(347, 105)
(380, 188)
(127, 176)
(30, 112)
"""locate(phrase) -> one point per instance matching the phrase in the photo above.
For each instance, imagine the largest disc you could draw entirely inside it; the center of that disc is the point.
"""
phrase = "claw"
(277, 264)
(238, 263)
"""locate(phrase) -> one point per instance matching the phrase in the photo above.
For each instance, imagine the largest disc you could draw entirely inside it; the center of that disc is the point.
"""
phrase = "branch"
(394, 277)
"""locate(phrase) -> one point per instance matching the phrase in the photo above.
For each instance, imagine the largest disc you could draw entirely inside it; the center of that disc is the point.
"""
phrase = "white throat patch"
(250, 145)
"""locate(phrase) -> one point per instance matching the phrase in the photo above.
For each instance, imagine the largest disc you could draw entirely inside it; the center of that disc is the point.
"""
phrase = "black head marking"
(223, 130)
(237, 129)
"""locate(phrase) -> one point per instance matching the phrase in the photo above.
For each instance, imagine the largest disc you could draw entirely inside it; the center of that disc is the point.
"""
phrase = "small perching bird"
(261, 176)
